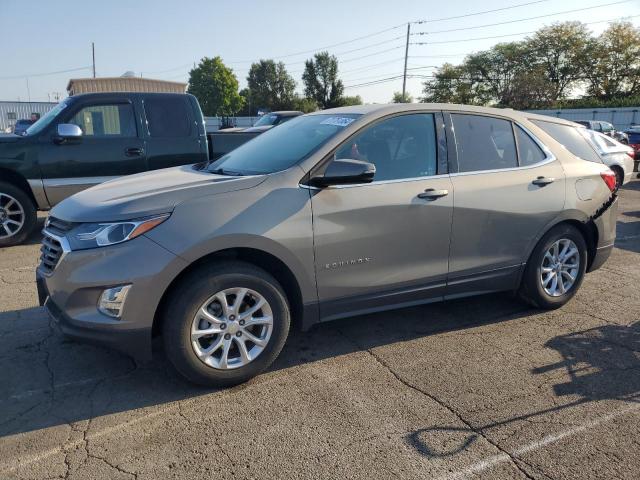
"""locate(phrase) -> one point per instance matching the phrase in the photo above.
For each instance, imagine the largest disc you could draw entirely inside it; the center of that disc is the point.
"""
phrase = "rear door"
(172, 136)
(508, 187)
(386, 242)
(110, 146)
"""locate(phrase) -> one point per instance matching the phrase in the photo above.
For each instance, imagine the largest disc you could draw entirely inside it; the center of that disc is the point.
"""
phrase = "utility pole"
(406, 57)
(93, 56)
(28, 91)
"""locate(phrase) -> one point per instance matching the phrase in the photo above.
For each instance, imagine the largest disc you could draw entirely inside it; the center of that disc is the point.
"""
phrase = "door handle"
(134, 151)
(543, 181)
(432, 194)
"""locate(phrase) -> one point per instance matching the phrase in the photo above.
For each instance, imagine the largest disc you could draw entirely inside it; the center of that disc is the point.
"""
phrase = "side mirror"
(345, 171)
(68, 131)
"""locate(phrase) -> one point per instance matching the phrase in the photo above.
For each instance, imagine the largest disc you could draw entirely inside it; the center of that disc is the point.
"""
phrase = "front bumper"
(71, 292)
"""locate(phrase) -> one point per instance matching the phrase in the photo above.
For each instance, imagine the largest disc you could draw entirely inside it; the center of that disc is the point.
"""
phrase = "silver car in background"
(333, 214)
(617, 156)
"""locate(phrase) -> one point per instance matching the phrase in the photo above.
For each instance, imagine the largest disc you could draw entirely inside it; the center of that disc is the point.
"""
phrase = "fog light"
(112, 300)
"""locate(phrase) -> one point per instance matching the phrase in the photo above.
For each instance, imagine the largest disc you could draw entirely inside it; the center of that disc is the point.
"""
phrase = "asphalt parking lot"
(483, 387)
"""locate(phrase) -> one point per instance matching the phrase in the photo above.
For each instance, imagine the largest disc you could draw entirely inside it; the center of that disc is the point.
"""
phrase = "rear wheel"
(17, 215)
(556, 268)
(225, 324)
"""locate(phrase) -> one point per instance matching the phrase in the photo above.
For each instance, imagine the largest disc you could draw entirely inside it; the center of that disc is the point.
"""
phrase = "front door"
(385, 243)
(507, 190)
(109, 147)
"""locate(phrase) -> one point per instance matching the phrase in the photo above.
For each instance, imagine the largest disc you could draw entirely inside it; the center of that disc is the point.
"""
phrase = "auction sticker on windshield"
(337, 121)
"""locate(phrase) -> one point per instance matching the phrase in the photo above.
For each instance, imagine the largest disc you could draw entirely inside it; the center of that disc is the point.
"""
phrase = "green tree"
(321, 81)
(303, 104)
(562, 51)
(270, 86)
(347, 101)
(453, 84)
(216, 88)
(398, 98)
(614, 68)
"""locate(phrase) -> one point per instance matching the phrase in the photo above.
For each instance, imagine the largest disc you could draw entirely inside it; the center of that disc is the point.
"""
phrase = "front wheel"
(556, 268)
(225, 323)
(18, 215)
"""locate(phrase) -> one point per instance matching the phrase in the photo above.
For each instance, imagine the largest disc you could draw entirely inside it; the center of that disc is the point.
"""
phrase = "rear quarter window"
(571, 139)
(168, 117)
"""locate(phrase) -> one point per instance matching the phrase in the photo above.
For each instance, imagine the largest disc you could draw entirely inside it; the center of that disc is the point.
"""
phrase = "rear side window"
(167, 117)
(529, 152)
(571, 139)
(483, 143)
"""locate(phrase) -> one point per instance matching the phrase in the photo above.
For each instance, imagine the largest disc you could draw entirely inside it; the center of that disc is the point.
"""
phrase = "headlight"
(92, 235)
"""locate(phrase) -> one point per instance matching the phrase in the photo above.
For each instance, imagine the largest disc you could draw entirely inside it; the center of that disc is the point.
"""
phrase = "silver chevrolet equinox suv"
(333, 214)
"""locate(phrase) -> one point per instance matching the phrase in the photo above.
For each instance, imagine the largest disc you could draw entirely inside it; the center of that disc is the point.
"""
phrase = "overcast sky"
(162, 39)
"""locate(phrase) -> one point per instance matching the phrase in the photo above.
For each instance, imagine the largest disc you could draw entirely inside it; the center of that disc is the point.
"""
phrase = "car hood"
(145, 194)
(9, 138)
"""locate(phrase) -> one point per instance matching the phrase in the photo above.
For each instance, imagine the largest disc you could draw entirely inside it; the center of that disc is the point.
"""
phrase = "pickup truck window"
(283, 147)
(106, 120)
(167, 117)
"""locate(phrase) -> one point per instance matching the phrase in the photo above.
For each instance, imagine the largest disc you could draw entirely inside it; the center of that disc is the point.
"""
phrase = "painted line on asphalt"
(494, 460)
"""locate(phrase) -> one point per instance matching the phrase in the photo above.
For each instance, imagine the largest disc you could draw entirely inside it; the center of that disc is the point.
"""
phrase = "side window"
(483, 143)
(106, 120)
(529, 153)
(400, 147)
(571, 138)
(167, 117)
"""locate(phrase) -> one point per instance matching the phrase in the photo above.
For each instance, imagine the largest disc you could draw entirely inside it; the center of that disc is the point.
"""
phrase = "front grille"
(51, 250)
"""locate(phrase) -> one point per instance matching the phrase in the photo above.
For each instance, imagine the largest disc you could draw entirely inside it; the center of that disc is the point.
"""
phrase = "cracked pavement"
(483, 387)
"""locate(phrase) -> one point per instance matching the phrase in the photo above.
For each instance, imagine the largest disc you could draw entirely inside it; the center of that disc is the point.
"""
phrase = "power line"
(442, 19)
(520, 19)
(14, 77)
(512, 34)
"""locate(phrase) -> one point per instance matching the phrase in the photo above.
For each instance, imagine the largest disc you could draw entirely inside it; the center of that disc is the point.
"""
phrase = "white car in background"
(617, 156)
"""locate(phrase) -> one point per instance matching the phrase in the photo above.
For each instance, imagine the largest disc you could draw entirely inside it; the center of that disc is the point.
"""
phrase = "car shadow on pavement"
(601, 363)
(49, 380)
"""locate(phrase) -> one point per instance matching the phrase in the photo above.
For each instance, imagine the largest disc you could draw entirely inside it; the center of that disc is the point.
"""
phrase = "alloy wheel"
(560, 267)
(231, 328)
(12, 216)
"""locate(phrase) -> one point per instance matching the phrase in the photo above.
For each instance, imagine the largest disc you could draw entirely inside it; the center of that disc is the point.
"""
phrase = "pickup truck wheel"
(225, 323)
(556, 268)
(17, 215)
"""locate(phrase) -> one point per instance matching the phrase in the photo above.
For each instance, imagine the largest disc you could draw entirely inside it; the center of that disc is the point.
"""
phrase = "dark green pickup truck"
(89, 139)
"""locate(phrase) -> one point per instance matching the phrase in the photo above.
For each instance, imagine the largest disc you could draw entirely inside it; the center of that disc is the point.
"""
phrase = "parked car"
(605, 128)
(224, 141)
(88, 139)
(617, 156)
(634, 142)
(21, 126)
(333, 214)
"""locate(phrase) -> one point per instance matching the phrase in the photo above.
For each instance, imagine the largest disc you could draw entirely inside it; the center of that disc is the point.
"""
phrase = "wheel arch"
(254, 256)
(583, 224)
(17, 180)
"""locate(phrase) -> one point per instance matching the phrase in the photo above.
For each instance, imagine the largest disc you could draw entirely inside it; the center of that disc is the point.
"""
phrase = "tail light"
(631, 153)
(610, 179)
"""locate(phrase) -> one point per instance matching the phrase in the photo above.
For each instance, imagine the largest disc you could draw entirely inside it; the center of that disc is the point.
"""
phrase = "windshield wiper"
(222, 171)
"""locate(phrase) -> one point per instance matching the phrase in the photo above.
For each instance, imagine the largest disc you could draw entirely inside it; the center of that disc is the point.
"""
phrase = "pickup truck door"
(172, 132)
(109, 147)
(387, 242)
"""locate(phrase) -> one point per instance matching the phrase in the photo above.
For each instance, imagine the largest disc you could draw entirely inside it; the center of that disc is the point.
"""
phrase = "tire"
(532, 289)
(15, 205)
(199, 288)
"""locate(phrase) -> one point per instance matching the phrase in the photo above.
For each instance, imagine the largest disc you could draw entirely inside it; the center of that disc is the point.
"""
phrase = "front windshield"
(282, 147)
(266, 120)
(46, 119)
